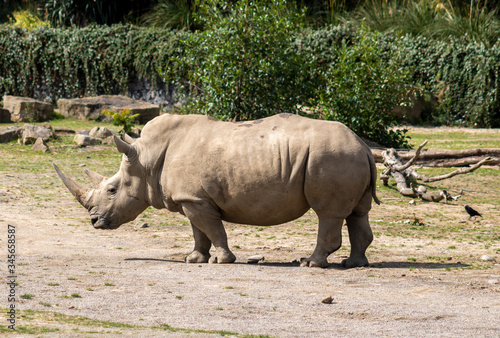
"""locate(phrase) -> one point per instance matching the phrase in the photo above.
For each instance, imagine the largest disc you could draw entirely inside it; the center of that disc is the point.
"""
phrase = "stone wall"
(139, 89)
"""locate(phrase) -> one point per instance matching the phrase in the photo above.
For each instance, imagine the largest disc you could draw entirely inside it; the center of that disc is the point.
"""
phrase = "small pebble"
(493, 281)
(144, 225)
(327, 300)
(255, 259)
(487, 258)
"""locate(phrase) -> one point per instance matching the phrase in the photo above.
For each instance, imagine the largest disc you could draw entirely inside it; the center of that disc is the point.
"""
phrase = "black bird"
(472, 212)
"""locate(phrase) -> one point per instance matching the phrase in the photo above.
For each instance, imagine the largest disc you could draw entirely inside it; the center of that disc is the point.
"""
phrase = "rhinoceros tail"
(373, 171)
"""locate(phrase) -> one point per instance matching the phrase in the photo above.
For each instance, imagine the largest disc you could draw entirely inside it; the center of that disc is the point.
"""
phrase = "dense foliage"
(362, 86)
(81, 62)
(278, 71)
(242, 65)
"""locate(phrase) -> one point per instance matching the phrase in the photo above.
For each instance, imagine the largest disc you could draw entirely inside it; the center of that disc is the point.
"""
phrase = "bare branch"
(457, 172)
(412, 160)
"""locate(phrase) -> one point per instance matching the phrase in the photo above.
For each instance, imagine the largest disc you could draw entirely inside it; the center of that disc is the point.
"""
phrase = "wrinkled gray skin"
(263, 172)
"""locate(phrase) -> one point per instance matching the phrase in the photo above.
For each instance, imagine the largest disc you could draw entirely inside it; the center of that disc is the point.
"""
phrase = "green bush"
(123, 119)
(248, 67)
(361, 88)
(464, 76)
(242, 65)
(82, 62)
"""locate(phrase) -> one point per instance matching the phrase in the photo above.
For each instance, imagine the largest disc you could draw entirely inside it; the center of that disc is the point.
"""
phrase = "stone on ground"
(90, 108)
(23, 109)
(40, 145)
(10, 133)
(30, 133)
(84, 140)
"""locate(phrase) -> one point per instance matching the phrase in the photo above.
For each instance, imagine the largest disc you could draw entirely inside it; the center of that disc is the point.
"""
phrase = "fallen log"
(445, 158)
(400, 172)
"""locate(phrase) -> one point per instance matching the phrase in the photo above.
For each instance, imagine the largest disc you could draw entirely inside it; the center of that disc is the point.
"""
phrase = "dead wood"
(400, 172)
(445, 158)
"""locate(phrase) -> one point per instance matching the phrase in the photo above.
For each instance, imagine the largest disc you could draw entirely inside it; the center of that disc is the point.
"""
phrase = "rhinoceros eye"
(112, 191)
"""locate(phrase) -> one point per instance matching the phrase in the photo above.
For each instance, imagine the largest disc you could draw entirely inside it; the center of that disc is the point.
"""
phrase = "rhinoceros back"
(262, 172)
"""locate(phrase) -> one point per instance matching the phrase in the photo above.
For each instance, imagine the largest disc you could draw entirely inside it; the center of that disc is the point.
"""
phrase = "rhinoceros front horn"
(78, 190)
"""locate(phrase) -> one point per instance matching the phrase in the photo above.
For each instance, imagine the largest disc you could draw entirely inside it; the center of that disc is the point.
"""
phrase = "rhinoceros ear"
(125, 148)
(95, 178)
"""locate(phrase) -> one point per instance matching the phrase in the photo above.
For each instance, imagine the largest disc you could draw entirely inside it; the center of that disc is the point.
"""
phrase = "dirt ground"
(426, 276)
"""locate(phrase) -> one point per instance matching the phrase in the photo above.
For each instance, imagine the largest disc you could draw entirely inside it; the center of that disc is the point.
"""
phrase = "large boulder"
(23, 109)
(31, 133)
(10, 133)
(90, 108)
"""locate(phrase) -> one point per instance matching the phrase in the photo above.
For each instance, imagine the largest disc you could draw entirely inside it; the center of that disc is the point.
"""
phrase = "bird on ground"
(472, 212)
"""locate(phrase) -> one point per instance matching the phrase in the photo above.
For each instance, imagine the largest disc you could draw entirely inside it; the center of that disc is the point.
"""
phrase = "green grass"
(455, 139)
(32, 319)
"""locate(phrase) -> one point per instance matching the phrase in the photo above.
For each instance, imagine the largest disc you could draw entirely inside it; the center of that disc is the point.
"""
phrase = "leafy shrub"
(464, 76)
(123, 119)
(242, 65)
(173, 14)
(81, 62)
(25, 19)
(362, 86)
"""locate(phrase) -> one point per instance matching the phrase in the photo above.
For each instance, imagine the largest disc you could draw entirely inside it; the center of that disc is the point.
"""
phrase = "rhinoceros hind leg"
(360, 235)
(329, 240)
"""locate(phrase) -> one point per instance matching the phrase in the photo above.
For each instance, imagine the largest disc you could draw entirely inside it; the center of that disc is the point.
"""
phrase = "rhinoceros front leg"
(360, 235)
(201, 249)
(207, 225)
(329, 240)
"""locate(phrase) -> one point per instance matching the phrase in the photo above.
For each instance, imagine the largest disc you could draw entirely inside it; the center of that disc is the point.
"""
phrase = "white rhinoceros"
(262, 172)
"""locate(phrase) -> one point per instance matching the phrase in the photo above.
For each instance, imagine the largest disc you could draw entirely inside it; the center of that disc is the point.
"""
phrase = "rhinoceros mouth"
(100, 222)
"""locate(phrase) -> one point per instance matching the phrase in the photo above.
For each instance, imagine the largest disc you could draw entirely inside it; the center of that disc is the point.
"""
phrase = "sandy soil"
(136, 275)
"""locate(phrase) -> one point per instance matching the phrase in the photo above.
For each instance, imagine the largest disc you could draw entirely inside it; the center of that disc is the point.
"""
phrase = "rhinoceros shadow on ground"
(334, 266)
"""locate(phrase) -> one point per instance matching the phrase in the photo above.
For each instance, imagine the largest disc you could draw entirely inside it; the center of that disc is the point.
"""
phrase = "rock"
(144, 225)
(487, 258)
(84, 140)
(84, 132)
(412, 202)
(10, 133)
(31, 133)
(91, 107)
(327, 300)
(40, 145)
(255, 259)
(100, 132)
(493, 281)
(23, 109)
(4, 115)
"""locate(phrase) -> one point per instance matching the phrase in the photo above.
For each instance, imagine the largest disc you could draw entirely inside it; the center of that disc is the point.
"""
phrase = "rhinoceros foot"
(197, 257)
(314, 262)
(223, 258)
(354, 262)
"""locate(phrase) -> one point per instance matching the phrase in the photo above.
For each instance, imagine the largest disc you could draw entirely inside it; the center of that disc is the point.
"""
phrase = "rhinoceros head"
(115, 200)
